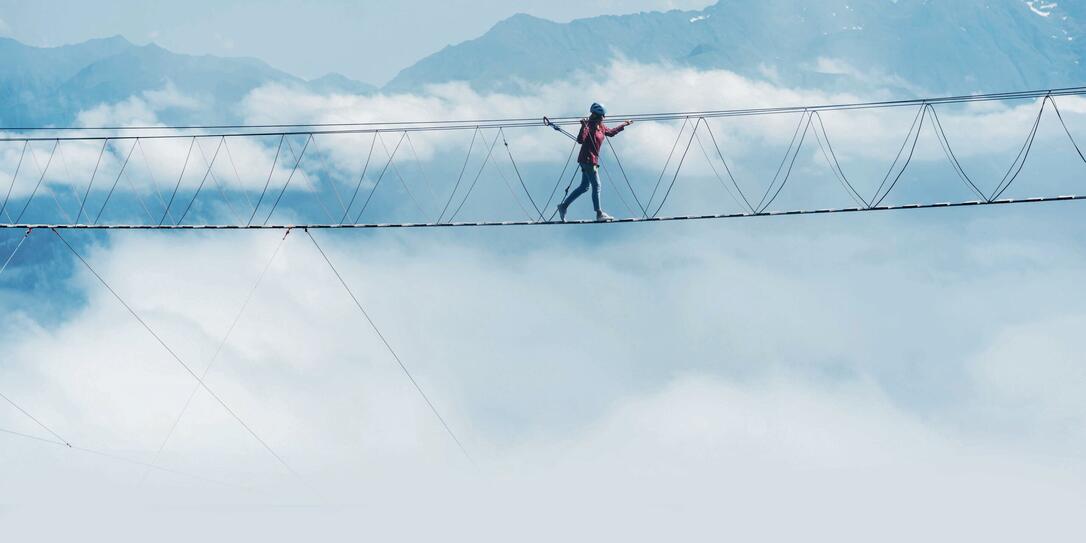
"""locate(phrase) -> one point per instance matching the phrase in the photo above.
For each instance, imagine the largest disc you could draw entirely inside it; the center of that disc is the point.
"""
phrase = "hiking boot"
(562, 212)
(603, 217)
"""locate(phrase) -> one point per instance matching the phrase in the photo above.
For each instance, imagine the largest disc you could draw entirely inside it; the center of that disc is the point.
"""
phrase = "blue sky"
(367, 40)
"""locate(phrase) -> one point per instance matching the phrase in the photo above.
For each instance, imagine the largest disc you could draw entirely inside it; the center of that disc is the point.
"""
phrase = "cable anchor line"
(218, 351)
(173, 354)
(122, 459)
(36, 420)
(11, 256)
(403, 367)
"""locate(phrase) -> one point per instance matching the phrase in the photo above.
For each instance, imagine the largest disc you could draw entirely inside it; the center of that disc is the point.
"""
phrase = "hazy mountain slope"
(956, 46)
(50, 85)
(907, 46)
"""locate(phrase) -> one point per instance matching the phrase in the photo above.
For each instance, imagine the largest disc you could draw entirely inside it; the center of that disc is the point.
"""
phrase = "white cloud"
(627, 386)
(141, 110)
(871, 78)
(1029, 368)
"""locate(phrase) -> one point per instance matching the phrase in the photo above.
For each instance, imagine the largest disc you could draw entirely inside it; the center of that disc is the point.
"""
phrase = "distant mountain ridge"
(907, 47)
(50, 85)
(953, 46)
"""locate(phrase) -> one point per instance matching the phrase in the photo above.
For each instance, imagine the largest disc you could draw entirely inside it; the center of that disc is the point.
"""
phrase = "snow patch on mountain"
(1042, 8)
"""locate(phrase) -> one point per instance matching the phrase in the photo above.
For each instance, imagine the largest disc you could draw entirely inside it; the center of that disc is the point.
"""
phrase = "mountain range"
(908, 47)
(957, 46)
(50, 85)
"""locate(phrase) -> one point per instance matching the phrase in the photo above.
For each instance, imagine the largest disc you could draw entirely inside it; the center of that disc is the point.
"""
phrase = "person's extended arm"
(612, 132)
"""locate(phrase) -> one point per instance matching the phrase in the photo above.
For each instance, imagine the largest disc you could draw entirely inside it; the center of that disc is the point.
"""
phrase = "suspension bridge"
(176, 207)
(349, 209)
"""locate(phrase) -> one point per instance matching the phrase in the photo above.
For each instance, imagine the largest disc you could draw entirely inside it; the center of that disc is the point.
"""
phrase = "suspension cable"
(237, 176)
(115, 181)
(218, 351)
(335, 187)
(4, 206)
(40, 179)
(384, 170)
(475, 181)
(443, 125)
(831, 160)
(174, 355)
(569, 223)
(52, 193)
(422, 171)
(517, 171)
(663, 171)
(267, 182)
(396, 172)
(210, 166)
(791, 165)
(11, 256)
(293, 171)
(151, 175)
(124, 459)
(1067, 130)
(35, 419)
(460, 177)
(678, 168)
(784, 160)
(558, 183)
(391, 351)
(727, 169)
(313, 193)
(1023, 154)
(215, 179)
(184, 167)
(948, 150)
(716, 173)
(361, 177)
(622, 170)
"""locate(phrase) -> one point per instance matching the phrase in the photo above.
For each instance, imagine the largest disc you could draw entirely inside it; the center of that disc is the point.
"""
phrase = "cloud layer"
(854, 377)
(680, 371)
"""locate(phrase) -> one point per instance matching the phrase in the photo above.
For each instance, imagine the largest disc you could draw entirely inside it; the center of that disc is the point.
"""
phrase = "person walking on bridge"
(591, 139)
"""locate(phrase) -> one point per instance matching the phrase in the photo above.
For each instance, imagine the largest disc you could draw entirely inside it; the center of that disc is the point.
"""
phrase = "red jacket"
(591, 140)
